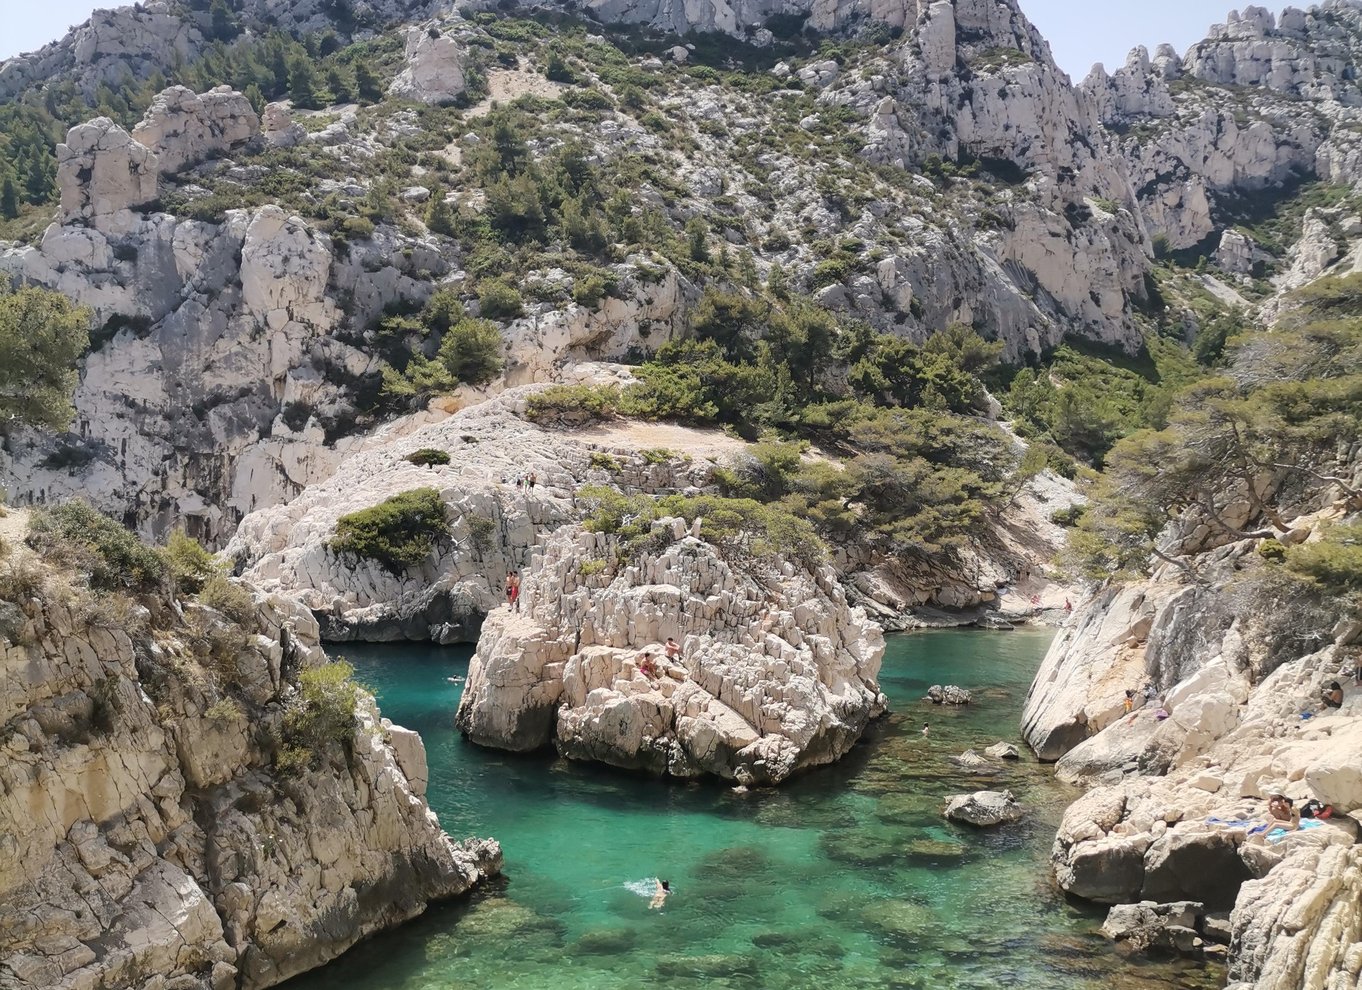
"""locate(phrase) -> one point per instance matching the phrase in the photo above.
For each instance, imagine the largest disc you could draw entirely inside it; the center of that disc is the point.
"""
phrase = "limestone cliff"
(251, 332)
(148, 831)
(776, 673)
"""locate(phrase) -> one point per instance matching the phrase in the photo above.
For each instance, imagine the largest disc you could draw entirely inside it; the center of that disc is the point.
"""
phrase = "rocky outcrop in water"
(148, 834)
(984, 809)
(775, 672)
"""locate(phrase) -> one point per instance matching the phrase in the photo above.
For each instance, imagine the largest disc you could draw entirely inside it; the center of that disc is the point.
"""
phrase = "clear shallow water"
(846, 878)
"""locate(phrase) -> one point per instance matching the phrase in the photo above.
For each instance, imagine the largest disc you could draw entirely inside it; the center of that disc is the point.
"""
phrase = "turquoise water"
(847, 877)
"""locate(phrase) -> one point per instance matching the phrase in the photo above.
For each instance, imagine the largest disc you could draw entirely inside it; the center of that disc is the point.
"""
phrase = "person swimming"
(664, 889)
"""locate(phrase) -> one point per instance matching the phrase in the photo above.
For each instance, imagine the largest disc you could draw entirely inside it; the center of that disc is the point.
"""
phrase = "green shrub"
(190, 564)
(499, 300)
(224, 595)
(482, 531)
(357, 228)
(398, 533)
(428, 457)
(1333, 563)
(657, 455)
(293, 761)
(322, 713)
(573, 405)
(471, 351)
(81, 537)
(739, 528)
(605, 462)
(1068, 516)
(591, 567)
(588, 291)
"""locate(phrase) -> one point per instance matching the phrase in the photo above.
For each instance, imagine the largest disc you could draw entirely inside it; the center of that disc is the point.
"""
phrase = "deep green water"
(846, 878)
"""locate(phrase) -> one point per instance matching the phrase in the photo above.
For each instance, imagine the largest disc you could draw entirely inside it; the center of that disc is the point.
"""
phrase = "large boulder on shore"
(776, 671)
(984, 808)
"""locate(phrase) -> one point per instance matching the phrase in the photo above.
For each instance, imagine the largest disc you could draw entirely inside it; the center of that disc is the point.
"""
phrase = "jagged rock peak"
(1137, 89)
(1312, 53)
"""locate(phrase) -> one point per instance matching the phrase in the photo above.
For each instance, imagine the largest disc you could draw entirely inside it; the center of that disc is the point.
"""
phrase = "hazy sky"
(1080, 31)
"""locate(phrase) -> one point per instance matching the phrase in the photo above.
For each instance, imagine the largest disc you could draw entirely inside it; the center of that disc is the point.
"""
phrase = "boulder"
(104, 176)
(434, 69)
(1003, 751)
(984, 809)
(278, 127)
(777, 672)
(948, 695)
(184, 129)
(1150, 925)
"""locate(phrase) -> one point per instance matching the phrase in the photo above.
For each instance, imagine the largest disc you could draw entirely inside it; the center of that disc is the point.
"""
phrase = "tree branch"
(1209, 505)
(1354, 494)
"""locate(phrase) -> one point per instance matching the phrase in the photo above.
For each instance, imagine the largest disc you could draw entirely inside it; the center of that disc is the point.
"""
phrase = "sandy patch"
(711, 444)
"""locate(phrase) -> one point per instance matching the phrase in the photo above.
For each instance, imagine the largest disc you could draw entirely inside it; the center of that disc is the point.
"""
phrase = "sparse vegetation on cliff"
(398, 533)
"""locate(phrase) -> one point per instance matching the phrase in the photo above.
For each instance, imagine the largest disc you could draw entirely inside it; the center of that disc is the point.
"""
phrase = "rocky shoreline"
(159, 841)
(1177, 809)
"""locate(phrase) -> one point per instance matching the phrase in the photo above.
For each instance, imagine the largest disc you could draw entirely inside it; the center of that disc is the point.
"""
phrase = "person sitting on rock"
(673, 649)
(647, 666)
(1333, 695)
(1282, 813)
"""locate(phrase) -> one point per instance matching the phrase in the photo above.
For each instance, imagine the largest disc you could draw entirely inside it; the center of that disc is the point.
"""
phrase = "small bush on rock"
(573, 405)
(81, 537)
(428, 457)
(498, 300)
(224, 595)
(190, 564)
(323, 711)
(398, 533)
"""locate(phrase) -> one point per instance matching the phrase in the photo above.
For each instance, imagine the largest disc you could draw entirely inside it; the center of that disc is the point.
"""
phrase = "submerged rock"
(1150, 925)
(948, 695)
(984, 808)
(1003, 751)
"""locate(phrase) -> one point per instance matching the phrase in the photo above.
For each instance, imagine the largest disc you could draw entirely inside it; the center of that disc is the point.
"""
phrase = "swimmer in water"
(660, 895)
(925, 727)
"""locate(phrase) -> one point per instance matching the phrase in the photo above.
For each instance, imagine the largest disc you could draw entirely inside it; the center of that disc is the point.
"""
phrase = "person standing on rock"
(515, 590)
(532, 479)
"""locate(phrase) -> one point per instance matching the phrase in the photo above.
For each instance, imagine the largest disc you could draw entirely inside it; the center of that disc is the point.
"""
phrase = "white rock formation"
(145, 834)
(984, 809)
(434, 70)
(278, 127)
(286, 546)
(104, 176)
(776, 672)
(184, 129)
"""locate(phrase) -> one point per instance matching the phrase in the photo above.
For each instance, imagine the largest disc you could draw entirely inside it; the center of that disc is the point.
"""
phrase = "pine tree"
(439, 217)
(367, 85)
(9, 199)
(302, 84)
(341, 90)
(222, 25)
(256, 97)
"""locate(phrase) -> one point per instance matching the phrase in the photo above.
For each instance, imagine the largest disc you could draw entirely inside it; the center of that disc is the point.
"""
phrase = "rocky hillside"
(931, 166)
(192, 792)
(1228, 545)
